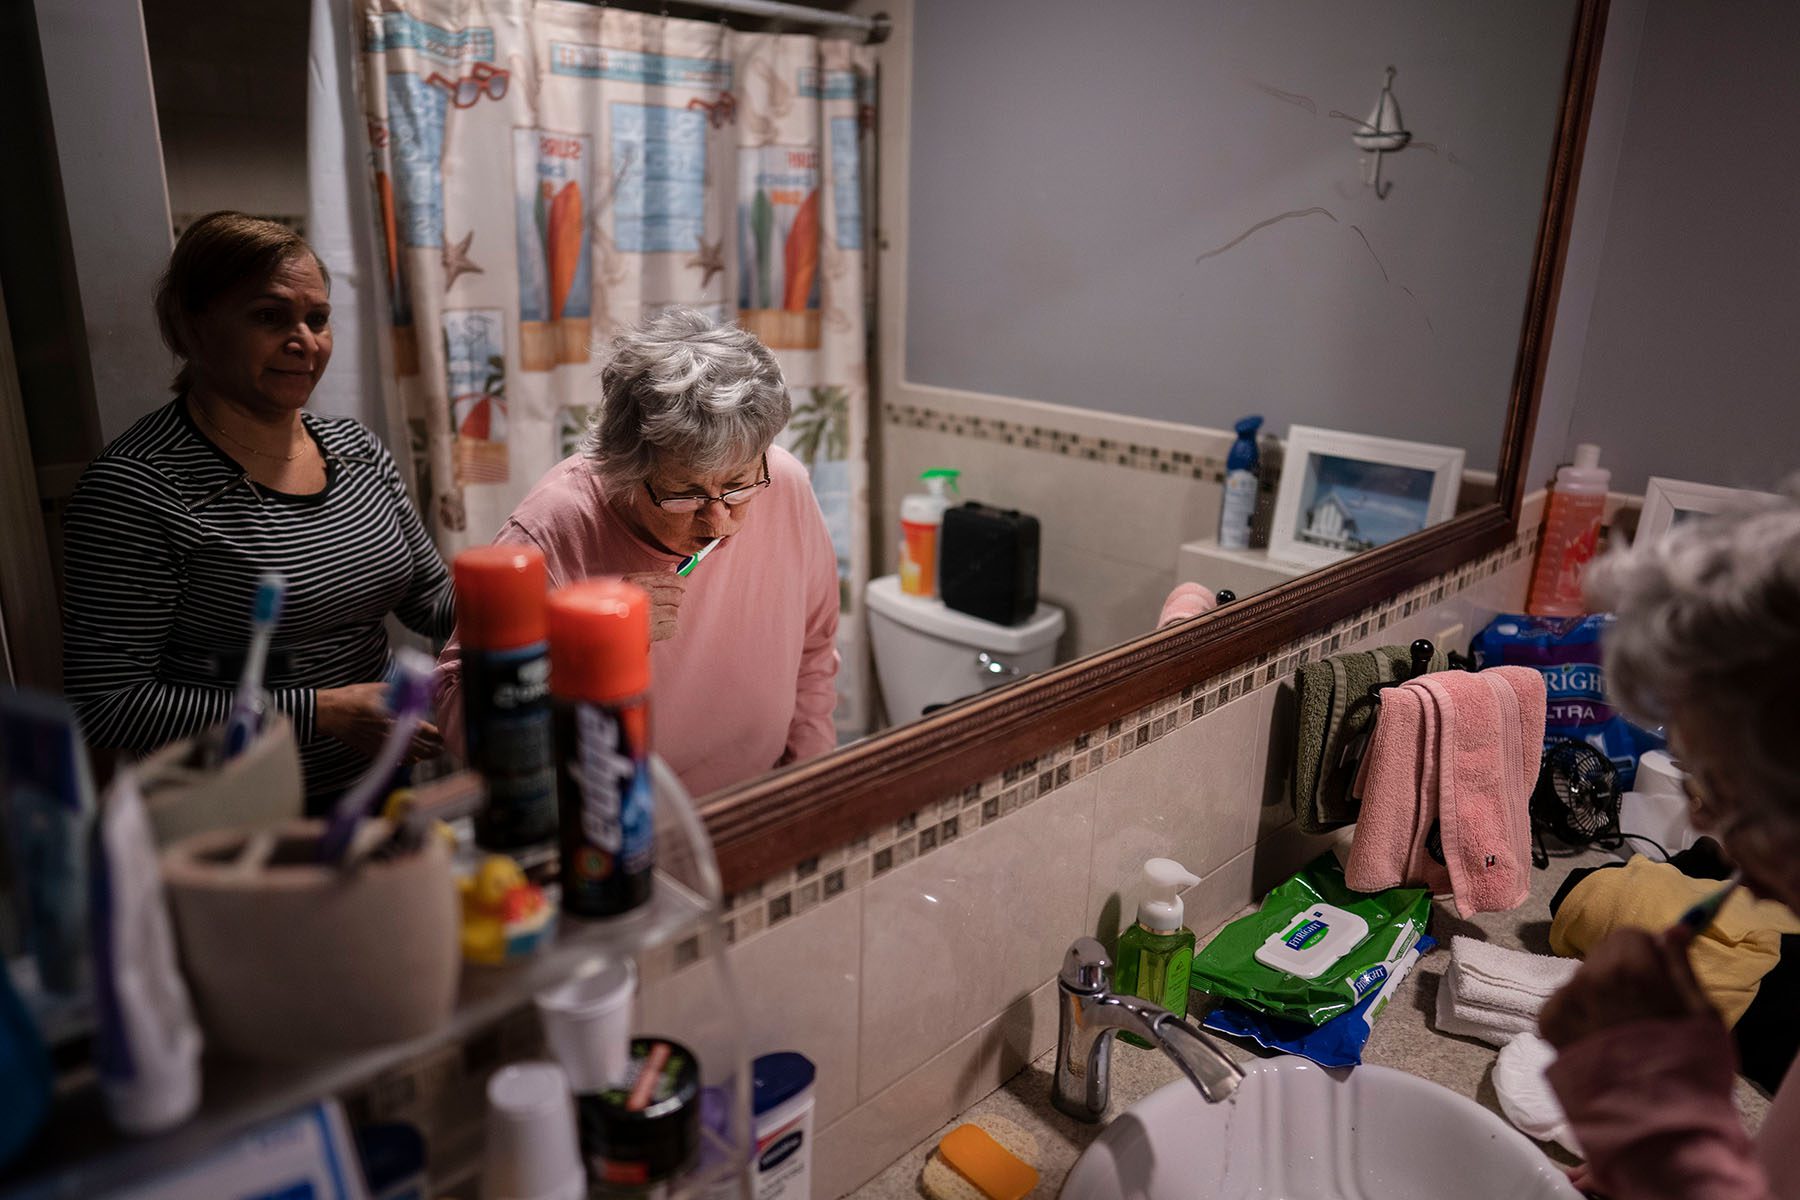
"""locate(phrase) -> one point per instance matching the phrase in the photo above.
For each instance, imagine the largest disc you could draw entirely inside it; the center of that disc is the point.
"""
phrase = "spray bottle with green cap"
(1156, 955)
(921, 519)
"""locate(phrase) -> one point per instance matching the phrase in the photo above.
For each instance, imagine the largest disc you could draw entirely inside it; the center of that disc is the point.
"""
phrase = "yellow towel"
(1730, 959)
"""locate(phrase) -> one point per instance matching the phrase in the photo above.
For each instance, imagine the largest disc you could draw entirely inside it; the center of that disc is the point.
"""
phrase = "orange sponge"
(994, 1170)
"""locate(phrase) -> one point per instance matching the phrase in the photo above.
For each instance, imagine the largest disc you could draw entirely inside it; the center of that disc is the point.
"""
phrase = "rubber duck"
(504, 915)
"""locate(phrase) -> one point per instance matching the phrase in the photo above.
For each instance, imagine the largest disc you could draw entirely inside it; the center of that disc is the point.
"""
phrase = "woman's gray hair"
(1708, 627)
(681, 389)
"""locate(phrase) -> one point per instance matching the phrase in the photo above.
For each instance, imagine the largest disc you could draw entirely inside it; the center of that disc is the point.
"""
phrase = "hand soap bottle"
(1156, 955)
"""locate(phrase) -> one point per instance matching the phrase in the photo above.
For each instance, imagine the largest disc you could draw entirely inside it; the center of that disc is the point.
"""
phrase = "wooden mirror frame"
(767, 824)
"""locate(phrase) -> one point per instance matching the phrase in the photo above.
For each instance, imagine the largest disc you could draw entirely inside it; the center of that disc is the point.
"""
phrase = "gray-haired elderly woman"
(744, 661)
(1707, 640)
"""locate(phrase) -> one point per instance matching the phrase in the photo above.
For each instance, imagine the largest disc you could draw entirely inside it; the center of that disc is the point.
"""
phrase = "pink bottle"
(1570, 537)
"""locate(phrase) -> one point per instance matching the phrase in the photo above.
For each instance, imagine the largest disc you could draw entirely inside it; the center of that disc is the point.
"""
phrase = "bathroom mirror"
(1087, 275)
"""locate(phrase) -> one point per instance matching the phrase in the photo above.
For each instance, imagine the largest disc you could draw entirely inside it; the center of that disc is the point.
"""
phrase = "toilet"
(928, 654)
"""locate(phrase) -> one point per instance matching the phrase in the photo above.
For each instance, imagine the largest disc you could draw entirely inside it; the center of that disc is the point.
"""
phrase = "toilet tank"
(928, 654)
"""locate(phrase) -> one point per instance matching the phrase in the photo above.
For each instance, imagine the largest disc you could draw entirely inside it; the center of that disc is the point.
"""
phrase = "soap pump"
(1156, 955)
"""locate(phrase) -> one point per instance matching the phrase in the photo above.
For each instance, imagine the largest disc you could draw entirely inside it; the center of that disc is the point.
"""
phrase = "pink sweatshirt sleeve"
(813, 731)
(1650, 1102)
(446, 678)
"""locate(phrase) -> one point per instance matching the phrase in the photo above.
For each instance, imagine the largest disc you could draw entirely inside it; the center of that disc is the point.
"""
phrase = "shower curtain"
(544, 173)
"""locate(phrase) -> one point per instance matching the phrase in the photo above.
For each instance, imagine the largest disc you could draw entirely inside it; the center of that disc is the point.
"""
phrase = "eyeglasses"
(693, 504)
(481, 79)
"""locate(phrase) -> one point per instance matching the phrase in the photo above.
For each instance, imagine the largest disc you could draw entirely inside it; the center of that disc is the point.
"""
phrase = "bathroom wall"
(1684, 359)
(1115, 496)
(915, 965)
(1152, 207)
(231, 102)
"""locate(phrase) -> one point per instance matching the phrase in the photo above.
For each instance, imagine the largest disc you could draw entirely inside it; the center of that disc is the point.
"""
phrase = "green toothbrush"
(693, 560)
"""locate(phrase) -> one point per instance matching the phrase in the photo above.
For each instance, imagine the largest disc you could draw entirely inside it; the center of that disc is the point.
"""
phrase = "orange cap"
(600, 640)
(500, 596)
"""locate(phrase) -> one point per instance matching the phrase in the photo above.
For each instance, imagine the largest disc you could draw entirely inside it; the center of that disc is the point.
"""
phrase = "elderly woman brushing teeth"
(1707, 640)
(679, 463)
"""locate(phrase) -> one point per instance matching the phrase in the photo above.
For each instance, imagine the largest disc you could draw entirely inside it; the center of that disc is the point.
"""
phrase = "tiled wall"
(1114, 496)
(914, 965)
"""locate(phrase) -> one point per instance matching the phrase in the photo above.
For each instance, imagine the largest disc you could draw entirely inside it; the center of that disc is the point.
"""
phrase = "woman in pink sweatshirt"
(744, 659)
(1707, 641)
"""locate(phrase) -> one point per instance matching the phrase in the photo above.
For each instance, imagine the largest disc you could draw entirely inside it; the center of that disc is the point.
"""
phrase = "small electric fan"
(1576, 801)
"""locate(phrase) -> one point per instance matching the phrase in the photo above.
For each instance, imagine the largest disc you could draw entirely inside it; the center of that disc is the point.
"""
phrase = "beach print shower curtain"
(547, 173)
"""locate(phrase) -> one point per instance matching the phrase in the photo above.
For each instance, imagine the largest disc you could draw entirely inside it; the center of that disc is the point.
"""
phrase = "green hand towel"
(1335, 712)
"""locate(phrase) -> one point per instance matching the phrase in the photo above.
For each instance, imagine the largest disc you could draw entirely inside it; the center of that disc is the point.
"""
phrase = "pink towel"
(1459, 750)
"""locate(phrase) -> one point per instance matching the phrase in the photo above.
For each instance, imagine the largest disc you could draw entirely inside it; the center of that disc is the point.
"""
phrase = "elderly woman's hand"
(666, 590)
(1633, 975)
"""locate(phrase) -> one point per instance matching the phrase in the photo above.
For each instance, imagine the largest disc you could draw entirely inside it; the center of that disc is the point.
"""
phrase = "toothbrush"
(409, 696)
(246, 706)
(1695, 920)
(693, 560)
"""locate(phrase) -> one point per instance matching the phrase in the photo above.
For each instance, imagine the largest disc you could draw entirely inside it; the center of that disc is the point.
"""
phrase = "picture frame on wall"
(1669, 502)
(1342, 493)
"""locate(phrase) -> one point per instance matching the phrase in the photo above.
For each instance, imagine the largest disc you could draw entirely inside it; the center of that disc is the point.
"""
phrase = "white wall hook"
(1383, 133)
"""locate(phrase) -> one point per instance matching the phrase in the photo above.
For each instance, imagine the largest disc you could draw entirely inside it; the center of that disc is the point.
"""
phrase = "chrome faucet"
(1091, 1012)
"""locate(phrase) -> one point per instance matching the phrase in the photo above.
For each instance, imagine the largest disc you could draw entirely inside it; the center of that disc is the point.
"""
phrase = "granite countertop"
(1404, 1038)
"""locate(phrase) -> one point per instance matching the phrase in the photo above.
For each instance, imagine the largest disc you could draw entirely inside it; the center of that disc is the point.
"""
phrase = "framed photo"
(1342, 493)
(1669, 502)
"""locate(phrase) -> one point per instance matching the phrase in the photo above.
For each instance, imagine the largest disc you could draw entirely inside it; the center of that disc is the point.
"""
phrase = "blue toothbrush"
(246, 707)
(409, 697)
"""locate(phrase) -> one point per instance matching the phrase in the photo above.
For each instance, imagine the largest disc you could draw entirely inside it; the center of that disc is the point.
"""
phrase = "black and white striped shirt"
(165, 539)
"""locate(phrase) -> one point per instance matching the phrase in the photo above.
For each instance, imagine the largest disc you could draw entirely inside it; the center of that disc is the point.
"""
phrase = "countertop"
(1404, 1038)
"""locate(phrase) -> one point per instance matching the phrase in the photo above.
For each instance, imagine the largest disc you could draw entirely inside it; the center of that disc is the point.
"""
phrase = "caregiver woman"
(1707, 640)
(744, 659)
(175, 521)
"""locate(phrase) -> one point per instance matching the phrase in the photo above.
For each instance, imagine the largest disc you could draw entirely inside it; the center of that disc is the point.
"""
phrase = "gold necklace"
(245, 445)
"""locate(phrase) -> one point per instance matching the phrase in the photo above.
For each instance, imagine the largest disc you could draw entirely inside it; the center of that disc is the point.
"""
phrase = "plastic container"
(587, 1023)
(532, 1152)
(500, 615)
(921, 522)
(1156, 955)
(783, 1107)
(1570, 537)
(642, 1133)
(600, 683)
(1242, 473)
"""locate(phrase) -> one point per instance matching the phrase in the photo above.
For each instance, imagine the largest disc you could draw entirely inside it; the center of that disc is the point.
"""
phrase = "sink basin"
(1297, 1132)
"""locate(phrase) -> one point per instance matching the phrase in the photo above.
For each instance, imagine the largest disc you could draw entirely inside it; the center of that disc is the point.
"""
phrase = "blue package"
(1566, 651)
(1338, 1042)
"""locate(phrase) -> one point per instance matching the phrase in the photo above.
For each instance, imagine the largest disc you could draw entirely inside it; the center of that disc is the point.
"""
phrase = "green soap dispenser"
(1156, 954)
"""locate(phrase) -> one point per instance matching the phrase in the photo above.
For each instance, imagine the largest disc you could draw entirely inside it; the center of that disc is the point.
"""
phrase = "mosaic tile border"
(815, 881)
(1157, 460)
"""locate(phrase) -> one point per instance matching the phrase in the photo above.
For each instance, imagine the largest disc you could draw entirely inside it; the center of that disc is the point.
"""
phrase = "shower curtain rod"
(875, 28)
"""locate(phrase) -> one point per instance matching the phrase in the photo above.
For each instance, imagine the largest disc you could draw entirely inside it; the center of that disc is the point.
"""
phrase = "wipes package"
(1231, 967)
(1338, 1042)
(1566, 651)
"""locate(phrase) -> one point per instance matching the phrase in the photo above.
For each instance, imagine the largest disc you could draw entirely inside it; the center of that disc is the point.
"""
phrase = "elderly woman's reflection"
(744, 660)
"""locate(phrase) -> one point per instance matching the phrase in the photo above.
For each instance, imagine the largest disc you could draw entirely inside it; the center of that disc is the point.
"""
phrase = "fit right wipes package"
(1566, 652)
(1238, 964)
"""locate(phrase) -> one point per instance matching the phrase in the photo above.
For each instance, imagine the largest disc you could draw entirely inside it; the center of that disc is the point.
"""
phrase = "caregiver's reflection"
(744, 660)
(175, 521)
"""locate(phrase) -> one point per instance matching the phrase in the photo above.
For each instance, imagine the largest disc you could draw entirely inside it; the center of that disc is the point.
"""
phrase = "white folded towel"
(1494, 994)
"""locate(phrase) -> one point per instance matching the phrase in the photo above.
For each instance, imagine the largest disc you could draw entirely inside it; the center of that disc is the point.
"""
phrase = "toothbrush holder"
(292, 960)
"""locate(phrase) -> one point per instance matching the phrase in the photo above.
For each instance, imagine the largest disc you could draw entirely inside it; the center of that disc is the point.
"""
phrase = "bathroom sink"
(1297, 1132)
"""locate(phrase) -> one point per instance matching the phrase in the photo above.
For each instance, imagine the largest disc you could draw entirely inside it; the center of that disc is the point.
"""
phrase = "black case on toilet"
(988, 563)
